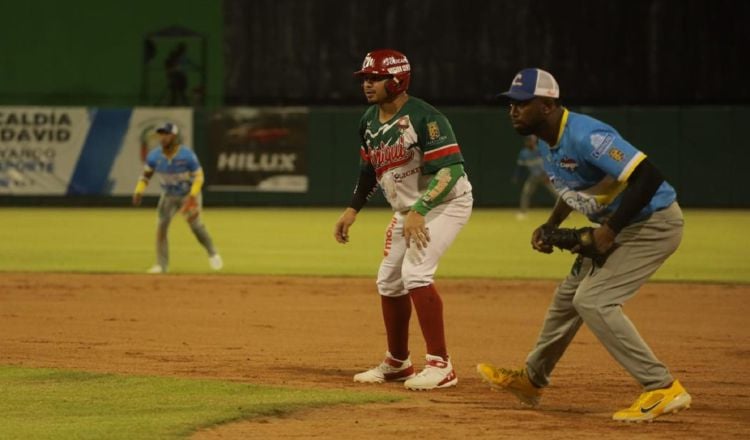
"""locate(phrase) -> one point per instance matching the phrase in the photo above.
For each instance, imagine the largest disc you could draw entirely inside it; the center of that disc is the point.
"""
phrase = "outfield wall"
(697, 149)
(298, 156)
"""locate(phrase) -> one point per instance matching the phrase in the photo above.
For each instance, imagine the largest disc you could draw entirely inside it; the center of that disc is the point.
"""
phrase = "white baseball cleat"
(438, 373)
(156, 269)
(215, 262)
(391, 370)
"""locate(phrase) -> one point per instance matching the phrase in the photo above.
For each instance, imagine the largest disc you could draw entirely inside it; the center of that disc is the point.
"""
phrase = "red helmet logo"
(388, 62)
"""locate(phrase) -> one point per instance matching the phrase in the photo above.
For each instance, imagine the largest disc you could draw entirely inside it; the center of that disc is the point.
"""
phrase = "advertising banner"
(258, 149)
(78, 150)
(39, 148)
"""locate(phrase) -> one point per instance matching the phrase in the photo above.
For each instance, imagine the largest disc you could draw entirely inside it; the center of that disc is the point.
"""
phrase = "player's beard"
(378, 97)
(525, 128)
(169, 149)
(524, 131)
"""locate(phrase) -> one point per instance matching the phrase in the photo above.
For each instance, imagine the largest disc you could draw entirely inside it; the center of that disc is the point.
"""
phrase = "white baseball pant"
(402, 268)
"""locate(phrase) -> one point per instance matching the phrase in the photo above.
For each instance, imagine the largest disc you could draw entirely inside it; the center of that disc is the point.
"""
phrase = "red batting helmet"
(388, 62)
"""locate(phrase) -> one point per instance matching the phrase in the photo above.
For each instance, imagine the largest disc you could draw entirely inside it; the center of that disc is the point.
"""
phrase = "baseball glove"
(190, 209)
(579, 241)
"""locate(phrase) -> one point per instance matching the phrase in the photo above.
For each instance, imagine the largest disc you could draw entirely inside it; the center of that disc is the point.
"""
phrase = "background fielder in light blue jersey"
(181, 179)
(590, 166)
(531, 163)
(176, 174)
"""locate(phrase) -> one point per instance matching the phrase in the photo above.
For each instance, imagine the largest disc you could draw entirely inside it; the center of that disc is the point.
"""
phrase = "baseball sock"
(396, 315)
(429, 309)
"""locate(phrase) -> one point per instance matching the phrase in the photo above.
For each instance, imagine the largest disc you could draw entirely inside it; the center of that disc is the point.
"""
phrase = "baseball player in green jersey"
(181, 178)
(600, 174)
(410, 151)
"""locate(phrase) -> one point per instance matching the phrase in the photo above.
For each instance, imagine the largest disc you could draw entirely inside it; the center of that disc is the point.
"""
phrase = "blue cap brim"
(517, 95)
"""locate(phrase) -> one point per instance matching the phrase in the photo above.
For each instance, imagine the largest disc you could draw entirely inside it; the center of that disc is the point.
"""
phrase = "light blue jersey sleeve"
(601, 161)
(151, 158)
(193, 164)
(608, 151)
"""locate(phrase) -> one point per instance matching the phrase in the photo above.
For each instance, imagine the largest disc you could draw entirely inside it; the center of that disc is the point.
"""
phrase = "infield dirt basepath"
(319, 332)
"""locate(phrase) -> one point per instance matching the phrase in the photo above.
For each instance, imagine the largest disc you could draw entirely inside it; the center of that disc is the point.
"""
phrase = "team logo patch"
(433, 130)
(601, 143)
(616, 154)
(569, 164)
(517, 80)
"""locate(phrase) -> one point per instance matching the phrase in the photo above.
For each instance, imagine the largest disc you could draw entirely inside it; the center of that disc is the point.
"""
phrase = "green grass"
(59, 404)
(56, 404)
(299, 242)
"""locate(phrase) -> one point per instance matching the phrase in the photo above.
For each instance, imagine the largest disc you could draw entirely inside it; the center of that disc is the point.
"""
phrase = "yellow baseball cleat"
(652, 404)
(515, 381)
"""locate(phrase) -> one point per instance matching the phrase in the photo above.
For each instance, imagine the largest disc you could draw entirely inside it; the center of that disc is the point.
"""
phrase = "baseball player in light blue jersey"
(598, 173)
(181, 178)
(531, 162)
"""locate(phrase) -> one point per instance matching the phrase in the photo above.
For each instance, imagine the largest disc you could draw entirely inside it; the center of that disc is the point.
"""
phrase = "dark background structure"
(668, 74)
(612, 52)
(279, 52)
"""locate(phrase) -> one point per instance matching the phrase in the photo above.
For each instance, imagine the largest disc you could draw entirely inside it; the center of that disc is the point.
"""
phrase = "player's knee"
(195, 224)
(584, 305)
(588, 307)
(389, 280)
(392, 290)
(414, 280)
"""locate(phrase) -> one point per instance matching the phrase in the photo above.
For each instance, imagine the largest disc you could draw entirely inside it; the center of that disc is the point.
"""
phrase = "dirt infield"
(318, 332)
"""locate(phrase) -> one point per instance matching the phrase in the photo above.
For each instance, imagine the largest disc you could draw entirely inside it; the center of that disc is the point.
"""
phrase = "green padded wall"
(696, 148)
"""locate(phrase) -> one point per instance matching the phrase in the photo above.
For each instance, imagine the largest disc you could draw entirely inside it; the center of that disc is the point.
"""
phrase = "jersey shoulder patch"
(590, 135)
(600, 142)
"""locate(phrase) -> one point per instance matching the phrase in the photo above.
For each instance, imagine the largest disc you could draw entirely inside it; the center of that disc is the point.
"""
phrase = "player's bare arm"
(341, 230)
(604, 238)
(366, 186)
(141, 186)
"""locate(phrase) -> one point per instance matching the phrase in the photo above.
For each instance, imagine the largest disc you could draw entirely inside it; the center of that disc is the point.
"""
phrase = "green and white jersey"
(408, 150)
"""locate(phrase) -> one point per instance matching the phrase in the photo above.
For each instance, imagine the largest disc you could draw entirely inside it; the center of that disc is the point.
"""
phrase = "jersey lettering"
(408, 150)
(387, 156)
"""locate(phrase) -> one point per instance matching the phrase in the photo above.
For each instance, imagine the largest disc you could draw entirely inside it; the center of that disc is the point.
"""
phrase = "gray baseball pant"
(167, 208)
(595, 295)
